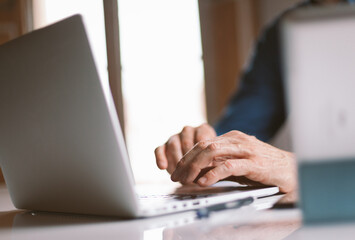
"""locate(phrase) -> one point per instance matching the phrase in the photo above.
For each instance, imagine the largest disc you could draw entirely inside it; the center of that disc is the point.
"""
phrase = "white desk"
(244, 223)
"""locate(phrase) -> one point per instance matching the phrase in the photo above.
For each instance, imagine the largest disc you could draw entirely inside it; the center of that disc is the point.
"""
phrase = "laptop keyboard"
(197, 194)
(173, 196)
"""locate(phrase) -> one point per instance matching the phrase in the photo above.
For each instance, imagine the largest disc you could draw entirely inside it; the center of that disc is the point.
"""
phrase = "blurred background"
(168, 63)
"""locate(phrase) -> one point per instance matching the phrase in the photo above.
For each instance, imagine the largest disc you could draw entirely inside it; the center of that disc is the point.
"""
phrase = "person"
(237, 148)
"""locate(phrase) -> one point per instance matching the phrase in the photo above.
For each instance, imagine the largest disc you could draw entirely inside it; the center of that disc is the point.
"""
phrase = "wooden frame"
(227, 28)
(113, 56)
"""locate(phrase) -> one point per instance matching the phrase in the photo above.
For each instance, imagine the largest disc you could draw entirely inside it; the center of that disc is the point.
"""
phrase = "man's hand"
(236, 154)
(169, 154)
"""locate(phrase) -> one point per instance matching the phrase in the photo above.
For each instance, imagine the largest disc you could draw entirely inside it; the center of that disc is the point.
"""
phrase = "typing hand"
(169, 154)
(236, 154)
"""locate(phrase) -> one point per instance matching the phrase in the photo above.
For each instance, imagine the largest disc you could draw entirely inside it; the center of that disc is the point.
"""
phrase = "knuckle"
(211, 174)
(253, 138)
(170, 140)
(202, 144)
(186, 129)
(173, 142)
(216, 159)
(229, 164)
(213, 146)
(236, 132)
(180, 163)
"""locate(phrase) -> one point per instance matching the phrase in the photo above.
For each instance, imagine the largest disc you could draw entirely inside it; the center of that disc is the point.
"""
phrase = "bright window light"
(162, 73)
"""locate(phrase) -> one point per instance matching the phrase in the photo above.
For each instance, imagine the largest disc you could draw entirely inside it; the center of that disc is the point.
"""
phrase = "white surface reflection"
(230, 224)
(153, 234)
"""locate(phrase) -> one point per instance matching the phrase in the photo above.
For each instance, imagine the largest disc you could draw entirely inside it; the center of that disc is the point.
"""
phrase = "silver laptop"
(319, 61)
(61, 146)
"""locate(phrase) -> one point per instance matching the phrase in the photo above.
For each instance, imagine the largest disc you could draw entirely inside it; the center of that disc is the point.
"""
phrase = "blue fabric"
(258, 107)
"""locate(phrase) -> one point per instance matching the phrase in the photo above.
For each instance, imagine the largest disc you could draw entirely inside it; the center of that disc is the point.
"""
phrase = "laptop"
(61, 145)
(319, 69)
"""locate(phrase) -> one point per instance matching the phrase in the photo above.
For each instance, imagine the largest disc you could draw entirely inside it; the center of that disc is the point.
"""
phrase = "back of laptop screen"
(60, 145)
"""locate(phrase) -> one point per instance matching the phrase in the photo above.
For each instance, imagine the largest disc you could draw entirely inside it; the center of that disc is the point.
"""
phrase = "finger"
(208, 156)
(187, 139)
(235, 167)
(188, 157)
(188, 172)
(173, 152)
(202, 173)
(244, 181)
(161, 159)
(204, 132)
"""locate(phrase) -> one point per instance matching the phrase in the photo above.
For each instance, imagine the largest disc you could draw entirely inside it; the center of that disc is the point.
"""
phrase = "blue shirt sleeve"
(258, 107)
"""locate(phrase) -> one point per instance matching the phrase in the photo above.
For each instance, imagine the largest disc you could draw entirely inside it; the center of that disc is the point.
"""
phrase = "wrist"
(289, 181)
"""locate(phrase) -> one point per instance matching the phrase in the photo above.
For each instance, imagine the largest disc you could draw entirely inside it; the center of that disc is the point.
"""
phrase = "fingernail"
(202, 180)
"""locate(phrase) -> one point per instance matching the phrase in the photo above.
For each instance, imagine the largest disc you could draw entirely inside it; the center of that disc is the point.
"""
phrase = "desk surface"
(251, 222)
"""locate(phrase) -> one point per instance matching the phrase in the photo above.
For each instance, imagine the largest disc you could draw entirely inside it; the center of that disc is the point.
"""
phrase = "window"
(162, 75)
(162, 69)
